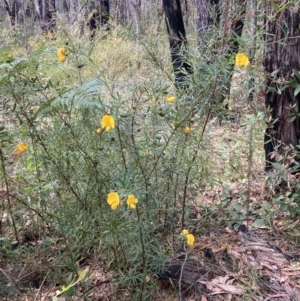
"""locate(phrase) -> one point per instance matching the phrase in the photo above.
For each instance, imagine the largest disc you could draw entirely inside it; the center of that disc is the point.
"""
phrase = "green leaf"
(297, 90)
(272, 89)
(283, 88)
(275, 5)
(274, 72)
(82, 274)
(258, 223)
(69, 279)
(84, 96)
(237, 206)
(66, 288)
(296, 72)
(293, 83)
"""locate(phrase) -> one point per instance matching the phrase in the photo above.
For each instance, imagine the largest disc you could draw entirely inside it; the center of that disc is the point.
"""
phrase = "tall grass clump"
(113, 157)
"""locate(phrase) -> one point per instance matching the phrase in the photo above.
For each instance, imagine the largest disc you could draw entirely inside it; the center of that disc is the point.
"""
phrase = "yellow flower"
(190, 239)
(61, 53)
(170, 98)
(184, 232)
(113, 200)
(21, 147)
(242, 60)
(187, 130)
(174, 124)
(99, 131)
(107, 122)
(132, 201)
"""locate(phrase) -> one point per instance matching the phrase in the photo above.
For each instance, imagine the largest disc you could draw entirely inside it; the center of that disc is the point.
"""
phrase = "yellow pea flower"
(174, 124)
(113, 200)
(187, 130)
(184, 232)
(99, 131)
(107, 122)
(21, 147)
(61, 53)
(170, 98)
(242, 60)
(190, 239)
(132, 201)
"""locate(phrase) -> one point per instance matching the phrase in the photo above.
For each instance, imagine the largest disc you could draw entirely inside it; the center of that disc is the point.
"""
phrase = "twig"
(39, 289)
(8, 196)
(96, 284)
(180, 278)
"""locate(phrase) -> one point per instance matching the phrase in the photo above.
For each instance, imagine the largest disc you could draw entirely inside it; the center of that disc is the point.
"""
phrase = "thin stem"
(181, 275)
(249, 171)
(121, 148)
(144, 266)
(8, 196)
(166, 145)
(190, 168)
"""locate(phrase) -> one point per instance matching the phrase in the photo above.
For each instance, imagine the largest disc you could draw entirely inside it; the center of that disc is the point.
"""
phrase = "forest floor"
(226, 263)
(258, 260)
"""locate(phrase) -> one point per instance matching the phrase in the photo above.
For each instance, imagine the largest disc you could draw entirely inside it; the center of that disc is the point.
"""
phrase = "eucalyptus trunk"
(45, 10)
(282, 63)
(12, 11)
(177, 38)
(208, 14)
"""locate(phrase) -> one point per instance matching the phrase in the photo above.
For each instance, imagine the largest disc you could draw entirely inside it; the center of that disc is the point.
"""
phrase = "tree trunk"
(185, 12)
(252, 19)
(12, 11)
(208, 14)
(282, 57)
(96, 15)
(137, 8)
(177, 39)
(236, 29)
(45, 10)
(122, 11)
(160, 17)
(104, 8)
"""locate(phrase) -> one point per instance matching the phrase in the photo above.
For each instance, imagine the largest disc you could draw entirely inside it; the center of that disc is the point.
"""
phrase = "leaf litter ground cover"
(224, 264)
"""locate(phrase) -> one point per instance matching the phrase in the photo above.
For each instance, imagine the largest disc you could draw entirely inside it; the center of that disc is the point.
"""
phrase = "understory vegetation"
(105, 117)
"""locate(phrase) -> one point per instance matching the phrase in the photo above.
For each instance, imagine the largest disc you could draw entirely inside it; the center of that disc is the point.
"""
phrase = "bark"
(252, 20)
(185, 12)
(45, 10)
(137, 8)
(104, 8)
(177, 39)
(282, 56)
(230, 43)
(208, 14)
(160, 17)
(252, 9)
(12, 11)
(122, 11)
(97, 15)
(235, 29)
